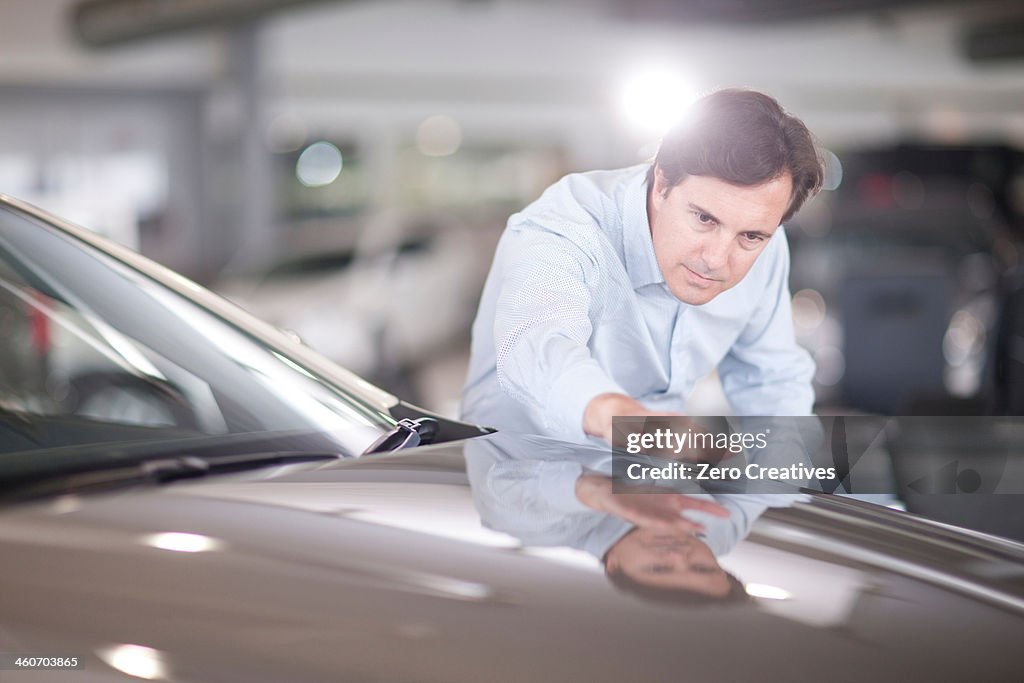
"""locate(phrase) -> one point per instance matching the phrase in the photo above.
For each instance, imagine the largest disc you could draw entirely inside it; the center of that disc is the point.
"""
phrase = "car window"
(94, 351)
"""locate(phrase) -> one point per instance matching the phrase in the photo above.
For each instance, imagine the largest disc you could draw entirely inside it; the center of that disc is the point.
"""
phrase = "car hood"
(399, 567)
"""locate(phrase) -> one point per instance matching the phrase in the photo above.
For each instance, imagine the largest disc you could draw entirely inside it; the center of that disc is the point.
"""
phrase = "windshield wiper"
(406, 434)
(150, 471)
(189, 466)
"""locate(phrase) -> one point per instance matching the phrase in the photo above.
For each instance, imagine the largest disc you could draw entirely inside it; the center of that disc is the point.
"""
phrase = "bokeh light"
(808, 309)
(438, 136)
(319, 164)
(833, 177)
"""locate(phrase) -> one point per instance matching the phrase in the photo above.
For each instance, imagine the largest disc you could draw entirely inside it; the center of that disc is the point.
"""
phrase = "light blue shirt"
(526, 487)
(575, 306)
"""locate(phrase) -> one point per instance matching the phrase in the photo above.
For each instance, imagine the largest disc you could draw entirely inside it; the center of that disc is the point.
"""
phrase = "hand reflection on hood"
(547, 493)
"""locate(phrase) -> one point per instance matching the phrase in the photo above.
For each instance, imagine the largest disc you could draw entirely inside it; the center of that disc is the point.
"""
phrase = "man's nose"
(715, 253)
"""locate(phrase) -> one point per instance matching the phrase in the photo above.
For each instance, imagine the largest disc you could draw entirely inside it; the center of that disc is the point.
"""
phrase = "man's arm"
(548, 298)
(766, 372)
(648, 507)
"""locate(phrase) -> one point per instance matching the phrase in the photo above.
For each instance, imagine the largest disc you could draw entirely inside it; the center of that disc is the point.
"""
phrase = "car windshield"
(96, 352)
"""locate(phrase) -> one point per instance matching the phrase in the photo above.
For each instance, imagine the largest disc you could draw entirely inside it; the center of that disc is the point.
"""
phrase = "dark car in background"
(189, 494)
(901, 278)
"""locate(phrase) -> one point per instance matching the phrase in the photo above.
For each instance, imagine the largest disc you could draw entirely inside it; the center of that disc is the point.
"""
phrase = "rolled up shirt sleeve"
(543, 323)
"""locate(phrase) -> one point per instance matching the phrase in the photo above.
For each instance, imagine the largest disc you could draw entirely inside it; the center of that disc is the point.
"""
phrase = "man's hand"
(646, 508)
(597, 418)
(597, 421)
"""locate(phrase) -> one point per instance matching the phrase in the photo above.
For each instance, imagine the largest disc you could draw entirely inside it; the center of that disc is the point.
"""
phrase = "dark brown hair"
(743, 137)
(736, 595)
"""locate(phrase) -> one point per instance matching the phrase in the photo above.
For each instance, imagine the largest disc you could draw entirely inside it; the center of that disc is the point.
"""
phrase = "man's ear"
(661, 185)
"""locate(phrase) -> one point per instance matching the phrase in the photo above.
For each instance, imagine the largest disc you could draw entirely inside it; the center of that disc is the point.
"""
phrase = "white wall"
(519, 64)
(521, 67)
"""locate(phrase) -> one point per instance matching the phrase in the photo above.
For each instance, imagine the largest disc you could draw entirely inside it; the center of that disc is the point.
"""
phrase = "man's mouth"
(698, 276)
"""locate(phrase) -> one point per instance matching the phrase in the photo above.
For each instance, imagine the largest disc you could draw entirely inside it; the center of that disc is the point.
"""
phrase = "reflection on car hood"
(382, 569)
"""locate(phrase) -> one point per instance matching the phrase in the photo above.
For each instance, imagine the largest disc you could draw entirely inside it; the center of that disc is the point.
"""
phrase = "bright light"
(763, 590)
(136, 660)
(833, 170)
(183, 543)
(318, 165)
(655, 98)
(438, 136)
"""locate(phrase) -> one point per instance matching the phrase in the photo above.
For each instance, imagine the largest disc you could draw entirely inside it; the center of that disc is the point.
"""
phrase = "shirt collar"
(641, 263)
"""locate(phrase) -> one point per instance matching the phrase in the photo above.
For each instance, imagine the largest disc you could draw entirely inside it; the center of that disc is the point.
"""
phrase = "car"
(329, 293)
(189, 494)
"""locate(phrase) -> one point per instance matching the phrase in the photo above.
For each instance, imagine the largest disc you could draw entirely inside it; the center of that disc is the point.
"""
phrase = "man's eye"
(753, 237)
(703, 218)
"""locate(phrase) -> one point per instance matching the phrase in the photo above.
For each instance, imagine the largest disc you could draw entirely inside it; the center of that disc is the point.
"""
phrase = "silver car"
(190, 495)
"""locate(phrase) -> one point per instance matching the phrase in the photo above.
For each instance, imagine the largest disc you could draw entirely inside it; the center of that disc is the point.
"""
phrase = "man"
(616, 291)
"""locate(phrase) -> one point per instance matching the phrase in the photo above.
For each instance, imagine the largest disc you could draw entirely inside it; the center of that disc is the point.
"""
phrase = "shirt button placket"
(679, 360)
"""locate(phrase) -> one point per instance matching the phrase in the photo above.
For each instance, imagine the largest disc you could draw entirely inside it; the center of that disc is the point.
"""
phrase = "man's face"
(669, 560)
(707, 233)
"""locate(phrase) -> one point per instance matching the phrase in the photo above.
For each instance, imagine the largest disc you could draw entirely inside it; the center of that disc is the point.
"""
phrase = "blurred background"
(344, 169)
